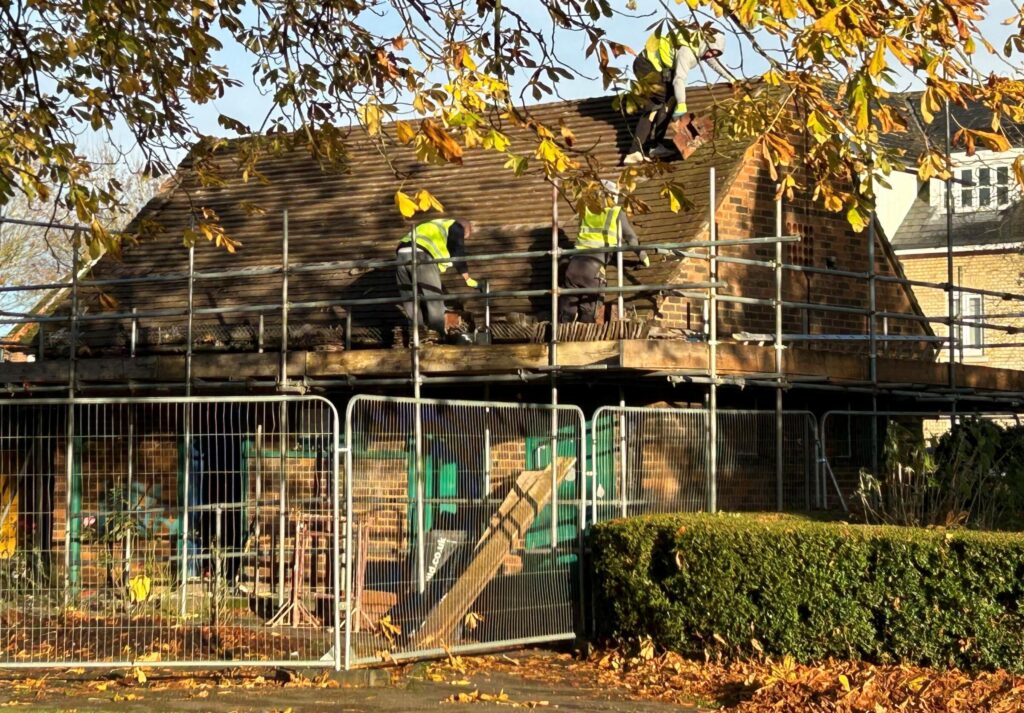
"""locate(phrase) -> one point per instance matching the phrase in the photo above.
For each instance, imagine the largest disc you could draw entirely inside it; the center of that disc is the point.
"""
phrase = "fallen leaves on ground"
(770, 685)
(764, 685)
(500, 698)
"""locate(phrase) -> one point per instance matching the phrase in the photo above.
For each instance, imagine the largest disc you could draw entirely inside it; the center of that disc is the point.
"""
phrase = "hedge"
(789, 585)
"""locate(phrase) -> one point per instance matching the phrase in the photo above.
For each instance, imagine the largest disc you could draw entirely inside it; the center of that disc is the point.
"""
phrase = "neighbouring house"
(986, 230)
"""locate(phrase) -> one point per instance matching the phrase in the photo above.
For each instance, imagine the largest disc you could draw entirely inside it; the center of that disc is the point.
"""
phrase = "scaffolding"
(712, 293)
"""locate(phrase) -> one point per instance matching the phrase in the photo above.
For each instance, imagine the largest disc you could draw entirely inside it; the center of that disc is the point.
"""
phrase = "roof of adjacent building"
(925, 226)
(920, 135)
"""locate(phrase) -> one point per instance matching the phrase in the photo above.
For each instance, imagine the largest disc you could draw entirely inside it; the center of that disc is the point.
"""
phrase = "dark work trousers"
(582, 271)
(428, 282)
(656, 113)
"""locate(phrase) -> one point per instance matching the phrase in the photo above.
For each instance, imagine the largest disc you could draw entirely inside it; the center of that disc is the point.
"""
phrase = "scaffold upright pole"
(779, 365)
(712, 431)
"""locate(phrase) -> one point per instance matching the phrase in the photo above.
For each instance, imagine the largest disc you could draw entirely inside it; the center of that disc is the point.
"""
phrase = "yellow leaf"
(877, 64)
(140, 675)
(844, 682)
(404, 131)
(406, 206)
(496, 140)
(992, 140)
(139, 588)
(426, 200)
(1018, 169)
(858, 221)
(371, 117)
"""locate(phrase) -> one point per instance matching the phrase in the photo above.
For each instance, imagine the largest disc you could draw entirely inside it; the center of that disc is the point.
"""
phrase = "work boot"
(634, 158)
(460, 338)
(662, 152)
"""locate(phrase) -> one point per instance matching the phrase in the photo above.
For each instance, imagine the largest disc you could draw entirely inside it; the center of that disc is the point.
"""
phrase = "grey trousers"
(428, 282)
(582, 271)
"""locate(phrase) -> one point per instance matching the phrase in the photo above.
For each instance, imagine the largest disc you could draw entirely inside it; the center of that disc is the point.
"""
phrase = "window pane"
(1003, 175)
(984, 176)
(984, 197)
(976, 334)
(966, 177)
(1003, 193)
(967, 197)
(975, 306)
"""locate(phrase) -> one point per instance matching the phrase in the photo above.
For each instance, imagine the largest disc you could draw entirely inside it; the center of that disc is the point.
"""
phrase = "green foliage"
(973, 475)
(736, 584)
(442, 78)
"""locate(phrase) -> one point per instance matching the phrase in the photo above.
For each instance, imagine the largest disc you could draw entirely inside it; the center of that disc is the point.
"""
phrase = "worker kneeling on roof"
(663, 67)
(439, 245)
(607, 228)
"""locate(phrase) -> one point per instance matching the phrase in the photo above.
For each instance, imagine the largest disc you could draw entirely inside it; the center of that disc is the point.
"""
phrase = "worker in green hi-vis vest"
(663, 69)
(435, 240)
(587, 270)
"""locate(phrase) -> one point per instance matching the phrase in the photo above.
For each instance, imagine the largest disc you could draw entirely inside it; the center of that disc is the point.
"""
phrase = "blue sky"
(247, 104)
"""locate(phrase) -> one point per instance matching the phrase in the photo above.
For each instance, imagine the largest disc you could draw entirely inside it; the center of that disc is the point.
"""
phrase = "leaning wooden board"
(515, 515)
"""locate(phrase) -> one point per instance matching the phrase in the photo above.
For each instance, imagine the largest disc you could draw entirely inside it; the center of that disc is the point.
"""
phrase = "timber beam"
(624, 358)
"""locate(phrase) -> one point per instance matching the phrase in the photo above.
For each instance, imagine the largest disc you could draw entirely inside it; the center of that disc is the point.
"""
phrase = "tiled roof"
(925, 226)
(351, 215)
(920, 135)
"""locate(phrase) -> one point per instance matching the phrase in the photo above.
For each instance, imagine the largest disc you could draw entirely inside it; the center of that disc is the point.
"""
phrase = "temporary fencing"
(473, 544)
(651, 460)
(170, 532)
(207, 532)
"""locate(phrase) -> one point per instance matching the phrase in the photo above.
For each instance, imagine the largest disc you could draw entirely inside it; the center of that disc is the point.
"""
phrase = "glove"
(679, 112)
(645, 260)
(470, 282)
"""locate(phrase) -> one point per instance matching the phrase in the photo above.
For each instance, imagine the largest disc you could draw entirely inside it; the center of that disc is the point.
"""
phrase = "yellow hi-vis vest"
(661, 49)
(598, 230)
(432, 236)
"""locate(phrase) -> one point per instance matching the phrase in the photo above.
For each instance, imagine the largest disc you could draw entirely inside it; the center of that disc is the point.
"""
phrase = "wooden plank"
(522, 485)
(443, 619)
(448, 359)
(631, 354)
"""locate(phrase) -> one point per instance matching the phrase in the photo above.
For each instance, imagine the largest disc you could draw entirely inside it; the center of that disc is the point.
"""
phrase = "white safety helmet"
(612, 188)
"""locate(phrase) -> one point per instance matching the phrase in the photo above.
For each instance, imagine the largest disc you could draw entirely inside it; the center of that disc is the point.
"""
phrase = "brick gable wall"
(747, 210)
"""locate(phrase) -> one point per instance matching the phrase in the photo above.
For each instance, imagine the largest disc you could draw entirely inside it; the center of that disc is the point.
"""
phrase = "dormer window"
(984, 188)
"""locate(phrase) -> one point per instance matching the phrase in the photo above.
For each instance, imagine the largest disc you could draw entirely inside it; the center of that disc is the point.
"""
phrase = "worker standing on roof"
(435, 240)
(608, 228)
(663, 67)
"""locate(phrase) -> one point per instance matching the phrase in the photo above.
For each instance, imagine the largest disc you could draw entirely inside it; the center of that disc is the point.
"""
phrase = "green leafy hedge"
(812, 589)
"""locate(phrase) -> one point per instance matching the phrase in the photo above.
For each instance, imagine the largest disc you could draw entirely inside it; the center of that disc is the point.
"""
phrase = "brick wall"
(748, 210)
(994, 270)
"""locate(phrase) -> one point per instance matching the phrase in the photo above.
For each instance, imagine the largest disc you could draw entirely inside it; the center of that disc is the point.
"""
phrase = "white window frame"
(970, 339)
(972, 188)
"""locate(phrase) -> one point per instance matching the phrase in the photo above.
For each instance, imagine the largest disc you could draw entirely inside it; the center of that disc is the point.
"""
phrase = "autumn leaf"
(370, 115)
(404, 132)
(406, 205)
(441, 140)
(139, 588)
(472, 620)
(425, 200)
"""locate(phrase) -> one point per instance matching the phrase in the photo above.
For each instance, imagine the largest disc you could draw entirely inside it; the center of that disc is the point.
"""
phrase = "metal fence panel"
(189, 532)
(479, 547)
(854, 443)
(653, 460)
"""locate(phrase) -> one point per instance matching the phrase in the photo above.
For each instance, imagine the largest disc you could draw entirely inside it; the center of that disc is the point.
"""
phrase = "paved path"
(409, 694)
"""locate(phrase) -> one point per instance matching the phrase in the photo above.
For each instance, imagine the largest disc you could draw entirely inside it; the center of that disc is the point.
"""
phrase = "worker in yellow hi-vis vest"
(439, 245)
(608, 228)
(663, 69)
